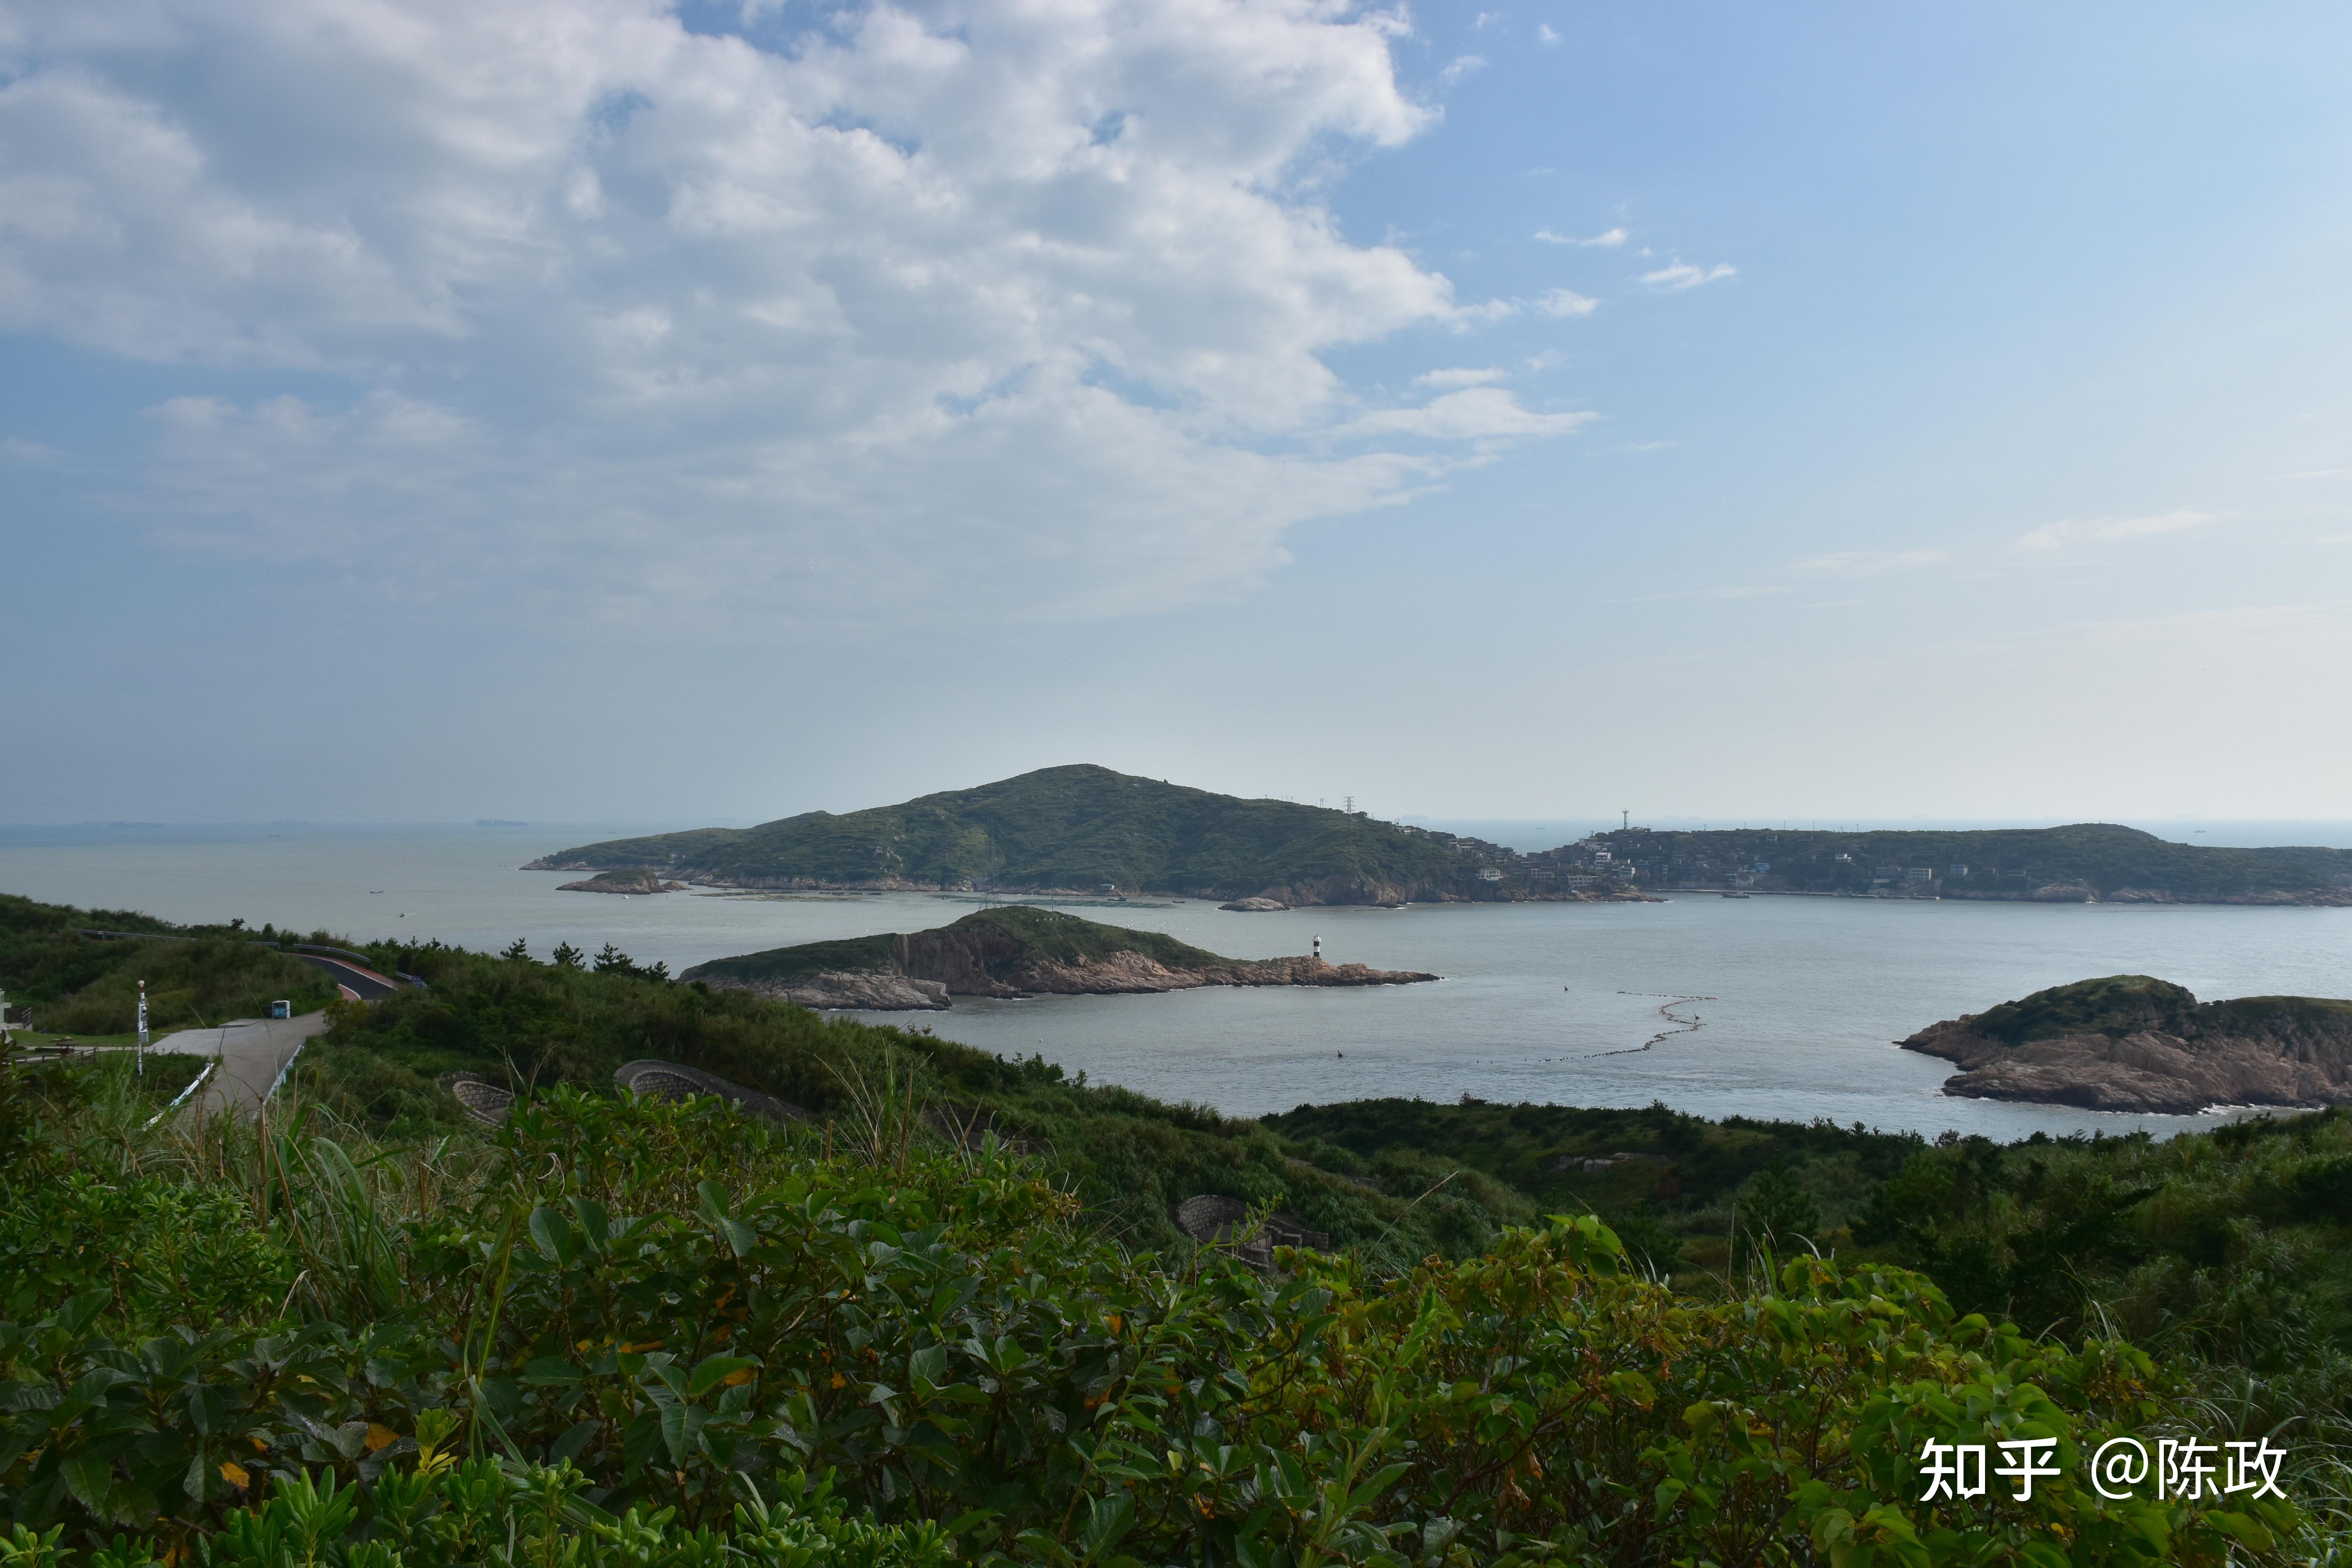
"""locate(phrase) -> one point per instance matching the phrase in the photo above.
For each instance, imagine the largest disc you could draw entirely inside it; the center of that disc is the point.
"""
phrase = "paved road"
(358, 981)
(252, 1052)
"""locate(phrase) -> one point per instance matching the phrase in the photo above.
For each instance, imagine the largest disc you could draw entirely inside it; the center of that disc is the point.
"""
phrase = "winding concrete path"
(252, 1053)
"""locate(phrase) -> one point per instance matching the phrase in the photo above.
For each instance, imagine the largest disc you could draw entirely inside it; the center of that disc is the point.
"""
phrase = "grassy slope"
(1045, 933)
(84, 986)
(792, 965)
(1068, 939)
(1057, 827)
(2098, 855)
(1132, 1158)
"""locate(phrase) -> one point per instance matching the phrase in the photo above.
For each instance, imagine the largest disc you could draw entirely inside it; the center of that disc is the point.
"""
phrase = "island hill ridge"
(2129, 1042)
(1015, 950)
(1086, 829)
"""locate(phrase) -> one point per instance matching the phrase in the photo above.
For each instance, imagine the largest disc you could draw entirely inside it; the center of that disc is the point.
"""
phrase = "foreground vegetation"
(196, 976)
(631, 1332)
(368, 1332)
(2228, 1254)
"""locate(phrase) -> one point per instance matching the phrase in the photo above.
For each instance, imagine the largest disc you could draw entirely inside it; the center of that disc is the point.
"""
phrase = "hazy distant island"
(629, 879)
(2085, 863)
(1015, 950)
(1085, 829)
(2132, 1043)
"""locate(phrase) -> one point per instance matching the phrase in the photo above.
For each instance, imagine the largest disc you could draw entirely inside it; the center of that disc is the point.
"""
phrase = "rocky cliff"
(1012, 951)
(2131, 1042)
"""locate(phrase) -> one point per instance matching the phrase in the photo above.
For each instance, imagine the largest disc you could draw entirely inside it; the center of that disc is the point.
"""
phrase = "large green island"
(1083, 829)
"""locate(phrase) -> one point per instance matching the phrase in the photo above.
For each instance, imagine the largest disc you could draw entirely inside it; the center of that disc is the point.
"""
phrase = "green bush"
(652, 1310)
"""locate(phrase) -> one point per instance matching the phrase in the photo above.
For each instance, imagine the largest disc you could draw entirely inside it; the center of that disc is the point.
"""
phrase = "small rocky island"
(1015, 950)
(2132, 1043)
(629, 879)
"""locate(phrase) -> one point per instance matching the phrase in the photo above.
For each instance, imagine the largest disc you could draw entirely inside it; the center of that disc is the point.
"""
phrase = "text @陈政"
(2180, 1467)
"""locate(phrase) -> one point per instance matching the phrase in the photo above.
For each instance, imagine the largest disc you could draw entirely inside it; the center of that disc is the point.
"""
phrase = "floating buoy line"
(1666, 1010)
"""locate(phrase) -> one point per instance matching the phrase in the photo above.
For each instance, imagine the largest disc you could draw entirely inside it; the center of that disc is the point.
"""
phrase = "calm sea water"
(1797, 1000)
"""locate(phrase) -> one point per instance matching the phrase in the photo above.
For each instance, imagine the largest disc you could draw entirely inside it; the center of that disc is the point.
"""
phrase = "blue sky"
(578, 408)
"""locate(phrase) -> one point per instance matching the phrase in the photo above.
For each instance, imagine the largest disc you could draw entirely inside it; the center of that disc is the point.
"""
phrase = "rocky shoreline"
(1119, 975)
(2129, 1042)
(1274, 901)
(627, 883)
(1352, 896)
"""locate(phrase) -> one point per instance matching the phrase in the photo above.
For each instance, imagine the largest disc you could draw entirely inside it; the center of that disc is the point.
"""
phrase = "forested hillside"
(1078, 827)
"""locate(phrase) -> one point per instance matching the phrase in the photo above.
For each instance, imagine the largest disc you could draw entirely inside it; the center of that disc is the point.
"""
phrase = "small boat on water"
(1735, 895)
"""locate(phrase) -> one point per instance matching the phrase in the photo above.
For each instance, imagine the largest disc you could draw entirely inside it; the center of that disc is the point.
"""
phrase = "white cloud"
(1485, 314)
(1610, 237)
(31, 454)
(2059, 535)
(1550, 39)
(1484, 18)
(1871, 563)
(1456, 68)
(1682, 275)
(1461, 377)
(958, 297)
(1477, 414)
(1737, 590)
(1566, 302)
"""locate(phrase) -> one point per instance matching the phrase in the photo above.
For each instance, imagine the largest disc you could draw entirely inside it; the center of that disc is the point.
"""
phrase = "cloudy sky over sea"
(569, 408)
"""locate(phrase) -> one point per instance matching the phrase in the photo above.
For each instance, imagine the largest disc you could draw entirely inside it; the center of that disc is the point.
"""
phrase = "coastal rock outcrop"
(1013, 951)
(630, 879)
(870, 993)
(2132, 1043)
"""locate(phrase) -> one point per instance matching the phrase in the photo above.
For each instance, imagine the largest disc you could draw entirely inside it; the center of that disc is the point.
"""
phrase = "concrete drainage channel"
(490, 1104)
